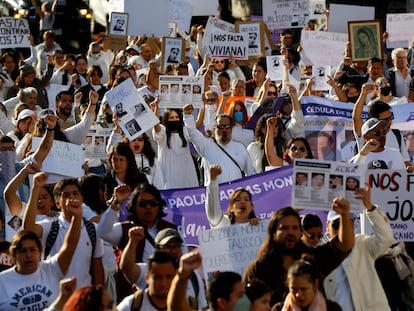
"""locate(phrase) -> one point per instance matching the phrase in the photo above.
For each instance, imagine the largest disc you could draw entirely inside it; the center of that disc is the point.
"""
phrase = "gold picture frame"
(366, 39)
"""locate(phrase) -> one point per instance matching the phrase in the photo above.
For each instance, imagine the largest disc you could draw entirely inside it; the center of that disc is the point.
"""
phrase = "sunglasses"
(379, 132)
(219, 61)
(271, 93)
(145, 203)
(224, 126)
(211, 100)
(312, 236)
(294, 149)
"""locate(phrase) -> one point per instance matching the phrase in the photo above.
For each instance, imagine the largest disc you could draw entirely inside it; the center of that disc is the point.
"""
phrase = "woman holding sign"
(239, 211)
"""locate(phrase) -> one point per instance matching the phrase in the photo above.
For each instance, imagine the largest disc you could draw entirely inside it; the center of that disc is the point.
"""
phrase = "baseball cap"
(44, 112)
(371, 124)
(332, 216)
(166, 235)
(26, 113)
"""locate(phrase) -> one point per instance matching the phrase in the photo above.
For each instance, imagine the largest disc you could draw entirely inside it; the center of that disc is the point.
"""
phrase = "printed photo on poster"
(119, 24)
(173, 52)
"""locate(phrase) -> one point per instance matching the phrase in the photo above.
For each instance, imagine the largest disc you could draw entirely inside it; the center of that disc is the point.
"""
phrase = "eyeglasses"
(312, 236)
(382, 84)
(379, 132)
(219, 61)
(211, 100)
(145, 203)
(224, 126)
(294, 149)
(271, 93)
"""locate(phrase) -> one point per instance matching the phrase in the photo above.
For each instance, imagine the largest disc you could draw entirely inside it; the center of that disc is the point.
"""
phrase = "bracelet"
(49, 129)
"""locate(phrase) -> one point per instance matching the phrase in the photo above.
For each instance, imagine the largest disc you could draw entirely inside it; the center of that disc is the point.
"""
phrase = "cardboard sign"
(118, 30)
(332, 44)
(226, 44)
(14, 33)
(281, 14)
(399, 29)
(230, 248)
(320, 77)
(177, 91)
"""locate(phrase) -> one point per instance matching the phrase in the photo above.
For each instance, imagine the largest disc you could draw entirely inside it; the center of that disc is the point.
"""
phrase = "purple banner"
(270, 191)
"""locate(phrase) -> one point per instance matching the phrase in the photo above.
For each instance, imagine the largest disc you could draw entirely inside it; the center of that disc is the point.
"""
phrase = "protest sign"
(173, 52)
(275, 67)
(143, 13)
(400, 29)
(230, 248)
(320, 77)
(330, 43)
(117, 31)
(392, 191)
(204, 8)
(318, 182)
(64, 159)
(216, 25)
(256, 36)
(14, 33)
(281, 14)
(341, 14)
(317, 9)
(177, 91)
(269, 105)
(96, 141)
(181, 11)
(136, 116)
(270, 192)
(226, 44)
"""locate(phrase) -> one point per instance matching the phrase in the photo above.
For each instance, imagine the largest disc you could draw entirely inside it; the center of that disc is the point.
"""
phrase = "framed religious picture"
(256, 36)
(173, 52)
(366, 39)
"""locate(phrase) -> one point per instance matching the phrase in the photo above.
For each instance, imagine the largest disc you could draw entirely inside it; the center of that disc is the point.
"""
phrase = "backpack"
(139, 294)
(396, 271)
(54, 230)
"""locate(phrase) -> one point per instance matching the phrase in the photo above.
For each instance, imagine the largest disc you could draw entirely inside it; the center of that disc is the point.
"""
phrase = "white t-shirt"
(146, 305)
(81, 261)
(389, 158)
(34, 291)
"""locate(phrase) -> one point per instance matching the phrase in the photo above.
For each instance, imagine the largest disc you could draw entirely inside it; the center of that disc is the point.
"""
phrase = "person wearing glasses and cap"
(146, 209)
(169, 241)
(345, 284)
(382, 111)
(374, 154)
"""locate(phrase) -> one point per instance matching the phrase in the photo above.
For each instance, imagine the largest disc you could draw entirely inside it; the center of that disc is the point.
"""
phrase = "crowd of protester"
(101, 241)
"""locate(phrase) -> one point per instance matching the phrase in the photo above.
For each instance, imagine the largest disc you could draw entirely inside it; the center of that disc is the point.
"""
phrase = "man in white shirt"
(232, 156)
(374, 154)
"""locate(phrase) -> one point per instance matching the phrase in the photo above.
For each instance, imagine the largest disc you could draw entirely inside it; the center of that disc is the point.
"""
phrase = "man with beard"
(64, 107)
(231, 155)
(374, 154)
(282, 246)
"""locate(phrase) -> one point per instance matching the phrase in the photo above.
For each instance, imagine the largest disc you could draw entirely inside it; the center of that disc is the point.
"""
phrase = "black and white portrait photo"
(132, 127)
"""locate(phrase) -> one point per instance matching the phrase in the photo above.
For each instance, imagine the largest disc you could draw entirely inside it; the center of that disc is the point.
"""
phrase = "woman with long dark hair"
(240, 209)
(123, 170)
(177, 164)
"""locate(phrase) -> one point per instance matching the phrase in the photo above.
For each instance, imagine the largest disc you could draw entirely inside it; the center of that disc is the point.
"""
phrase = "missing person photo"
(132, 127)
